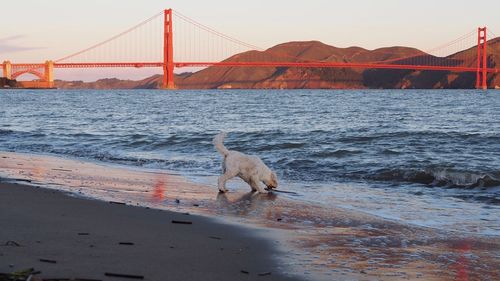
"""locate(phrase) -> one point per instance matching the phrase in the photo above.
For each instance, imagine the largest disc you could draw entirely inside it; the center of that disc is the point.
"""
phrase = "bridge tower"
(168, 52)
(49, 74)
(482, 62)
(7, 69)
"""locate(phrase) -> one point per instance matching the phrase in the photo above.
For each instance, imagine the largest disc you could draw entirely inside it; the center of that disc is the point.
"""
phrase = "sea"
(428, 158)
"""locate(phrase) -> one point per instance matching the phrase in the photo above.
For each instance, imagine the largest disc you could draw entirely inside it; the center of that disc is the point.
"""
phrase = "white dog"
(249, 168)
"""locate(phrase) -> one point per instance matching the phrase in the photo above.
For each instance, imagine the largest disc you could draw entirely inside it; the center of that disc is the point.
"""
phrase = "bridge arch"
(30, 71)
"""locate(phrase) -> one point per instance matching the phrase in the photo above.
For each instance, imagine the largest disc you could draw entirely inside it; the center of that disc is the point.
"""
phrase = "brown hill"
(293, 78)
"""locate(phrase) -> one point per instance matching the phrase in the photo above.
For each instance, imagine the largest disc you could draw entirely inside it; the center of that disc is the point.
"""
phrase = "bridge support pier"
(49, 74)
(7, 70)
(482, 60)
(168, 52)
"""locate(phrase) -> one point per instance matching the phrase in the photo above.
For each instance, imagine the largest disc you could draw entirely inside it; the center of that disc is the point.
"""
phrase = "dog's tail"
(219, 143)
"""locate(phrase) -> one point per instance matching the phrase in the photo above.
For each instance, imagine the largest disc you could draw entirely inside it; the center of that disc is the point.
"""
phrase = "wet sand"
(68, 237)
(317, 242)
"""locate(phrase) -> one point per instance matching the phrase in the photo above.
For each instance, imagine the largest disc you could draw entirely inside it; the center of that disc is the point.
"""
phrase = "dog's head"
(271, 180)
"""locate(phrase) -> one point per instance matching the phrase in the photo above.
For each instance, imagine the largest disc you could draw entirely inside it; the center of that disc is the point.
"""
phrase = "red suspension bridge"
(151, 44)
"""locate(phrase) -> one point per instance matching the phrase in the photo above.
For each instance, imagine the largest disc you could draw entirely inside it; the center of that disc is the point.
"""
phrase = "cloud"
(8, 45)
(10, 38)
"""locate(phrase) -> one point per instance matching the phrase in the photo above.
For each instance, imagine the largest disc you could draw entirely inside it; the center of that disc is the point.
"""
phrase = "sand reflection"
(251, 203)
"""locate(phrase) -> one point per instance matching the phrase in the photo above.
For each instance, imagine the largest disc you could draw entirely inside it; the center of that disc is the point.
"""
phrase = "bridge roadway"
(256, 64)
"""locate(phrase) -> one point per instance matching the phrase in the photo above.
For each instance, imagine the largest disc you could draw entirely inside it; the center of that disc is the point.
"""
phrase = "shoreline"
(68, 237)
(314, 242)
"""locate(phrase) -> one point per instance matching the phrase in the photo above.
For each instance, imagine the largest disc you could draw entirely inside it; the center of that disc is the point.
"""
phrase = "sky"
(36, 30)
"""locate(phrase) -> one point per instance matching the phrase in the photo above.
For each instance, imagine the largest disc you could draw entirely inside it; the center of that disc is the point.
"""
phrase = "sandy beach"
(68, 237)
(239, 235)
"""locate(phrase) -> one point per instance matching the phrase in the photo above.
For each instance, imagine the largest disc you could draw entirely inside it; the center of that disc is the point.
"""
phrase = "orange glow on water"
(463, 263)
(159, 190)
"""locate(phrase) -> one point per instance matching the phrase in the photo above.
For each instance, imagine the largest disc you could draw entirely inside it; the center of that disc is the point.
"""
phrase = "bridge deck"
(259, 64)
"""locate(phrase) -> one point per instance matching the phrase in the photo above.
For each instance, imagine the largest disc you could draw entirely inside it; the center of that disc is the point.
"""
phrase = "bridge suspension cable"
(130, 40)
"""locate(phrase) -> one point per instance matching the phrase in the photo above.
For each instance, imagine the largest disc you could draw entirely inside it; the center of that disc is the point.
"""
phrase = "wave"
(441, 177)
(5, 132)
(21, 134)
(339, 153)
(285, 145)
(425, 134)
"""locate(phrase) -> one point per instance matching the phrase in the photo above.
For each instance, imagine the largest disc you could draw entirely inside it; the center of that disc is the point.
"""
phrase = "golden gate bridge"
(151, 44)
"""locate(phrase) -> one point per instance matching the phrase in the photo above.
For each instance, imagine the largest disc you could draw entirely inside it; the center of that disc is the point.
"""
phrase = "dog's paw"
(223, 190)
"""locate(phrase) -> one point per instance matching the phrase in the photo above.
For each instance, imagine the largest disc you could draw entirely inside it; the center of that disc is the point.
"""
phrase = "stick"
(283, 191)
(12, 243)
(47, 261)
(124, 275)
(117, 203)
(182, 222)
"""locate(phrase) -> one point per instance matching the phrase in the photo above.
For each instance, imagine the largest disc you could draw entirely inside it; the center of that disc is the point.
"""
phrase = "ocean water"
(430, 158)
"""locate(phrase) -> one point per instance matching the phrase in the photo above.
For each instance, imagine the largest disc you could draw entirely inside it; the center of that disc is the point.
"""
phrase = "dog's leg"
(254, 183)
(224, 178)
(251, 184)
(222, 183)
